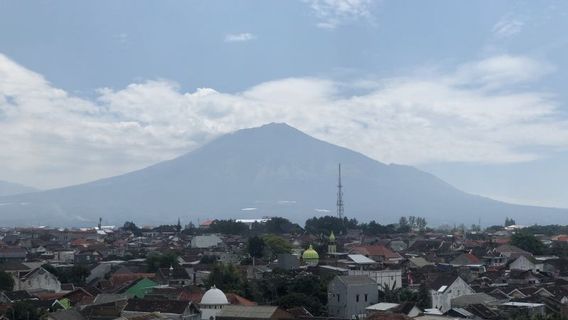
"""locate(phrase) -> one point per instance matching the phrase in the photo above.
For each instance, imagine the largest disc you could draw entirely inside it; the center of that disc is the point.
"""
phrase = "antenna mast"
(339, 196)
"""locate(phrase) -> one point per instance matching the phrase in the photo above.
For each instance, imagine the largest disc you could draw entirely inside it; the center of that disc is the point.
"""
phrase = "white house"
(38, 279)
(445, 288)
(526, 263)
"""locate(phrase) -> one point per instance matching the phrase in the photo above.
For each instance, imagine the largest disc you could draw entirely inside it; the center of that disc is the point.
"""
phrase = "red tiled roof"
(238, 300)
(119, 279)
(206, 223)
(376, 251)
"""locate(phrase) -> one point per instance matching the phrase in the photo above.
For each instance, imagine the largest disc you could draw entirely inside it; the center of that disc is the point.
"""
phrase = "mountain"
(271, 170)
(9, 188)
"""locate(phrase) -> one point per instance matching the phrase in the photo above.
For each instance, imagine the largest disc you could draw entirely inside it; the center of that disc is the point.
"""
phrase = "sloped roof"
(442, 281)
(254, 312)
(70, 314)
(18, 295)
(163, 306)
(468, 258)
(377, 251)
(361, 259)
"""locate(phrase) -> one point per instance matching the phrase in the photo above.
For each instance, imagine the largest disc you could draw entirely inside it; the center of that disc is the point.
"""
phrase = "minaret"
(339, 196)
(331, 246)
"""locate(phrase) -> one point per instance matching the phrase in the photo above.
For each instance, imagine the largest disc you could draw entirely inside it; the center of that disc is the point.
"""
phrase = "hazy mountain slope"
(9, 188)
(276, 169)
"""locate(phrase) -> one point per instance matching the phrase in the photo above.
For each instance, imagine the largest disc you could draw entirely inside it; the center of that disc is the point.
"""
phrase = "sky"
(473, 92)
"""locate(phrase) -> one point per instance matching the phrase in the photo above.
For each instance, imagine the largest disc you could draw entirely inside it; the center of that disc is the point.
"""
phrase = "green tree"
(255, 248)
(279, 225)
(227, 278)
(6, 281)
(228, 227)
(132, 227)
(277, 244)
(528, 242)
(326, 224)
(295, 299)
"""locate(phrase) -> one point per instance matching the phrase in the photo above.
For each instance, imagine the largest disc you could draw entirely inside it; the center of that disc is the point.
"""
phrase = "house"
(253, 313)
(206, 241)
(525, 263)
(172, 309)
(15, 296)
(70, 314)
(523, 277)
(12, 254)
(494, 260)
(38, 279)
(408, 309)
(378, 252)
(383, 278)
(465, 259)
(444, 288)
(104, 311)
(81, 296)
(511, 252)
(138, 288)
(87, 257)
(418, 262)
(176, 277)
(349, 296)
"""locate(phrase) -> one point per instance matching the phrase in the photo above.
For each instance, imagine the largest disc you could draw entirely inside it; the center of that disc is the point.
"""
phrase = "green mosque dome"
(332, 237)
(310, 254)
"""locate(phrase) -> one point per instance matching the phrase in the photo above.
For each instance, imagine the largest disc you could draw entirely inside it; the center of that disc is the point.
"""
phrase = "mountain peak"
(274, 169)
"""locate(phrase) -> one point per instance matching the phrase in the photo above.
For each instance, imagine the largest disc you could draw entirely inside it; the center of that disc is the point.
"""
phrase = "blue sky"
(473, 92)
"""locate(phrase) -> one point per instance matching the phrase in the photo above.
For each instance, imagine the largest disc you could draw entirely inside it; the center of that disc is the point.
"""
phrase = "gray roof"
(257, 312)
(475, 298)
(103, 298)
(361, 259)
(70, 314)
(420, 262)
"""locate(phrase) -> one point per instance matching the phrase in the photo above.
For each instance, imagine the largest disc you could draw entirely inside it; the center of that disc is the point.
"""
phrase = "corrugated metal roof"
(361, 259)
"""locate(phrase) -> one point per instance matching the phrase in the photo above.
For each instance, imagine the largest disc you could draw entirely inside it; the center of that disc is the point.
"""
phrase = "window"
(338, 297)
(357, 298)
(365, 297)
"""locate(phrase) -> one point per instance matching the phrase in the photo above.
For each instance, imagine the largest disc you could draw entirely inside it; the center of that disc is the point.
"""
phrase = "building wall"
(390, 278)
(40, 280)
(207, 241)
(349, 301)
(442, 300)
(523, 263)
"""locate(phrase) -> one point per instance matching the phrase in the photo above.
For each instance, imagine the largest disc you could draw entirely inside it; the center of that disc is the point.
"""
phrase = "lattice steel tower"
(339, 196)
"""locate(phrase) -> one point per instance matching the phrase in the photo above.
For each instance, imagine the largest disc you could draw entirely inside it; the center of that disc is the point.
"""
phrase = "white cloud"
(332, 13)
(508, 26)
(478, 112)
(239, 37)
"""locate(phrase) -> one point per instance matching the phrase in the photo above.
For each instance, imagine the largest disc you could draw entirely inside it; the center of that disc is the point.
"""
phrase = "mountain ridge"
(10, 188)
(273, 170)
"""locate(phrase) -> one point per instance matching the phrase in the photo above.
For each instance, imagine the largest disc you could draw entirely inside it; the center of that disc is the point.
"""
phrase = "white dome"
(214, 296)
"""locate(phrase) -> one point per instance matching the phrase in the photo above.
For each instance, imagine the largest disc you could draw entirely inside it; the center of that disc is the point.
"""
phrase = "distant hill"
(271, 170)
(9, 188)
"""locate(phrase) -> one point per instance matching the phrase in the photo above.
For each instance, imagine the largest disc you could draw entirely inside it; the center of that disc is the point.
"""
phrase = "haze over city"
(92, 90)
